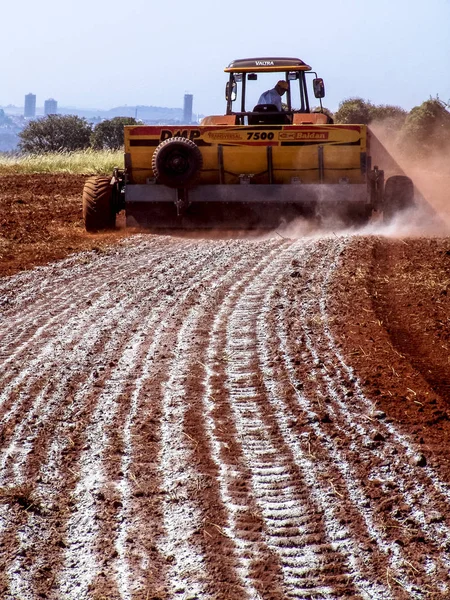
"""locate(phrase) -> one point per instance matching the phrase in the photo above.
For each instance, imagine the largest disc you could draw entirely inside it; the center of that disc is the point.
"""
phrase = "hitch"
(376, 178)
(182, 201)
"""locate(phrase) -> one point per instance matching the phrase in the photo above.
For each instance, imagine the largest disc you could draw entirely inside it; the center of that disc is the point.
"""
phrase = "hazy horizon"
(100, 55)
(77, 106)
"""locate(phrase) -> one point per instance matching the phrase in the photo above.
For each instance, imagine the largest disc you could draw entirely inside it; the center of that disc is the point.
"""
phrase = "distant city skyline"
(142, 113)
(184, 105)
(32, 109)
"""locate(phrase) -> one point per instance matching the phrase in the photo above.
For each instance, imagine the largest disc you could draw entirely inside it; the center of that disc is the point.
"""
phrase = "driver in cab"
(273, 96)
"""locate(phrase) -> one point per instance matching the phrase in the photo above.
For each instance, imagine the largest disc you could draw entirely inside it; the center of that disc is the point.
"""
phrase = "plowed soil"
(219, 419)
(41, 221)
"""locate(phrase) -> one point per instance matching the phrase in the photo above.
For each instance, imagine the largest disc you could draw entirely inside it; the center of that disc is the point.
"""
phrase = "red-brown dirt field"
(216, 417)
(41, 221)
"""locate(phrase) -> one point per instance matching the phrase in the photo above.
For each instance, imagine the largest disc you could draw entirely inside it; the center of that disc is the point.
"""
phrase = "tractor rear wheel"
(177, 162)
(398, 196)
(98, 209)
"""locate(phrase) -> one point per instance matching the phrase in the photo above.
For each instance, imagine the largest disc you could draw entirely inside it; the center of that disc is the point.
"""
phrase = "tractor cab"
(250, 78)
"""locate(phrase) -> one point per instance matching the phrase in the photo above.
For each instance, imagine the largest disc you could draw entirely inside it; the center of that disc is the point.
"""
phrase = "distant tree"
(383, 112)
(357, 110)
(392, 117)
(427, 127)
(55, 133)
(354, 110)
(109, 133)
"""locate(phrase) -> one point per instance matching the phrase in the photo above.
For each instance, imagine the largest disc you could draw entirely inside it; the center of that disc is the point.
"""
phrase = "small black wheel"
(98, 209)
(398, 196)
(177, 162)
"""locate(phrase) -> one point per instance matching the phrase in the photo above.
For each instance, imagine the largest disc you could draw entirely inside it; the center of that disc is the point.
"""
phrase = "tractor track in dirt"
(225, 419)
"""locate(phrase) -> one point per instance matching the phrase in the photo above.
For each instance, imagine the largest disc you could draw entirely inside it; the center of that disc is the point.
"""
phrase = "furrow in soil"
(339, 412)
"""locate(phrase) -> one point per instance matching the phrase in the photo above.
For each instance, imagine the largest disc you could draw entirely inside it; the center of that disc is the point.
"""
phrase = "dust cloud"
(431, 215)
(431, 177)
(420, 221)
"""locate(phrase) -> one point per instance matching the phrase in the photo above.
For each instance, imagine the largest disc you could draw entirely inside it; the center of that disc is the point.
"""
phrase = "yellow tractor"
(269, 159)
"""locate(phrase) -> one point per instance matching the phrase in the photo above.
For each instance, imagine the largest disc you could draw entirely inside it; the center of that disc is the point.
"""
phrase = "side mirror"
(230, 91)
(319, 87)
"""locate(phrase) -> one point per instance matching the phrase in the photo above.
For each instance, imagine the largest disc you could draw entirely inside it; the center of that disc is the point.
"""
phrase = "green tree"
(388, 112)
(55, 133)
(392, 117)
(354, 110)
(109, 133)
(427, 127)
(357, 110)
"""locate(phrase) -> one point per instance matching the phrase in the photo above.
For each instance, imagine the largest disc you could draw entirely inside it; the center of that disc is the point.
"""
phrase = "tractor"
(258, 165)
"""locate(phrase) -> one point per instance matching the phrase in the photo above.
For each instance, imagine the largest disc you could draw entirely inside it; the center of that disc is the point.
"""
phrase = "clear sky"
(106, 53)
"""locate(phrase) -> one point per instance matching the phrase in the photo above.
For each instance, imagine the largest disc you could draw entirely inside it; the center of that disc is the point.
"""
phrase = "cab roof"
(266, 65)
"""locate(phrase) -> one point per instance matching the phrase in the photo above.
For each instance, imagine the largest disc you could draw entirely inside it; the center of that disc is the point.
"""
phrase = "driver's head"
(281, 86)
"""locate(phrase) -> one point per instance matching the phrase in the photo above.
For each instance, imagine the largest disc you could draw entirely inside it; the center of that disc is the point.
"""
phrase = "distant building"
(30, 106)
(50, 107)
(187, 111)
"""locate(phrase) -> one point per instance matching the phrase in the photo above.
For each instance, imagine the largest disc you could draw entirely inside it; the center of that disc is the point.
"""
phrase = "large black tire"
(177, 162)
(98, 209)
(398, 196)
